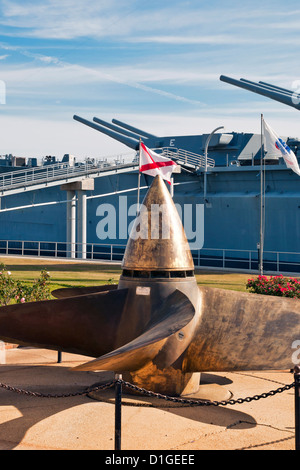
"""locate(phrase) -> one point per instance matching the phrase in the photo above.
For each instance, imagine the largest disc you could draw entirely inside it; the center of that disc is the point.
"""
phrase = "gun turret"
(124, 133)
(274, 92)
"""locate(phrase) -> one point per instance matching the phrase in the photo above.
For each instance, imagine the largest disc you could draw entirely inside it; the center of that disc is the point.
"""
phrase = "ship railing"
(89, 251)
(218, 259)
(57, 171)
(238, 260)
(184, 157)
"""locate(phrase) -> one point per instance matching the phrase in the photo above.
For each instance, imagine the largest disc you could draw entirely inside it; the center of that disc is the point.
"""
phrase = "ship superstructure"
(219, 180)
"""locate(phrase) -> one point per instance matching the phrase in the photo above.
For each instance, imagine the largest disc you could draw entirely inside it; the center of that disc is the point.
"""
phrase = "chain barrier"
(118, 382)
(64, 395)
(206, 402)
(149, 393)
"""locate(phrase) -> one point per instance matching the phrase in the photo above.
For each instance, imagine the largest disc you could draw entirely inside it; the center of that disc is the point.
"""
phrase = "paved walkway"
(86, 423)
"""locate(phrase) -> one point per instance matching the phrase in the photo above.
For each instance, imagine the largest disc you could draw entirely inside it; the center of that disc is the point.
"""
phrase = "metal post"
(205, 156)
(71, 224)
(172, 187)
(297, 406)
(118, 408)
(58, 357)
(262, 203)
(139, 180)
(82, 223)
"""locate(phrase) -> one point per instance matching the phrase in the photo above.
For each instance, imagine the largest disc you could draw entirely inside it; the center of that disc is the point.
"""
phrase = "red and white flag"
(153, 164)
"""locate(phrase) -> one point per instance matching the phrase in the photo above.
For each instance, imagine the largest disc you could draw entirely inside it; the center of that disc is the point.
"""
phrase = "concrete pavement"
(87, 422)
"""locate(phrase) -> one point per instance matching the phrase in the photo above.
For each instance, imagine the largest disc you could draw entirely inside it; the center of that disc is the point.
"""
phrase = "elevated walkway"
(34, 178)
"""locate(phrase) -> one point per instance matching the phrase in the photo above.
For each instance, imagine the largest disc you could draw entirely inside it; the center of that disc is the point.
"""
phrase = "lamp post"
(205, 155)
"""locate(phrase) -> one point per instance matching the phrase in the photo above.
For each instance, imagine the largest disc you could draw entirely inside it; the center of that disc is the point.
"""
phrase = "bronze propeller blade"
(162, 343)
(84, 325)
(243, 331)
(75, 291)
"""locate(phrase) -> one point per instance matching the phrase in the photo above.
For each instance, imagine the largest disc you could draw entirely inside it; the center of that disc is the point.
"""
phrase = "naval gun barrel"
(134, 129)
(128, 141)
(116, 128)
(277, 88)
(282, 95)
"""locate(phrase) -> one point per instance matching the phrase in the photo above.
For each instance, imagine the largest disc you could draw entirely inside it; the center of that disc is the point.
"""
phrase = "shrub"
(275, 285)
(8, 289)
(14, 291)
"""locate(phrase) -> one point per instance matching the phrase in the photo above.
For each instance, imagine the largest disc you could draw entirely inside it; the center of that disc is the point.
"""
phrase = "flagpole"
(261, 236)
(139, 180)
(172, 187)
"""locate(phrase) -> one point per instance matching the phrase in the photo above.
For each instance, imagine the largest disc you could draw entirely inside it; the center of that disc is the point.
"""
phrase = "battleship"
(220, 172)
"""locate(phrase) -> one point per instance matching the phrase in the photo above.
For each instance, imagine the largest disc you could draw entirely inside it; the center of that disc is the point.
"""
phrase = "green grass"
(68, 274)
(231, 281)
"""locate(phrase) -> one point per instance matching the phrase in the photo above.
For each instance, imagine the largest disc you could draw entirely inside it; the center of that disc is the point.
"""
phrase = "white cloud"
(69, 19)
(65, 19)
(217, 39)
(66, 74)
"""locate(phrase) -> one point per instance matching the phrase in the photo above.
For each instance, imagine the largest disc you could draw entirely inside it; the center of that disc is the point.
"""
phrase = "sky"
(155, 65)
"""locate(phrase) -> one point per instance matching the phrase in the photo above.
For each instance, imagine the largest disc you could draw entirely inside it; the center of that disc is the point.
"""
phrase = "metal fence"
(247, 260)
(206, 258)
(92, 251)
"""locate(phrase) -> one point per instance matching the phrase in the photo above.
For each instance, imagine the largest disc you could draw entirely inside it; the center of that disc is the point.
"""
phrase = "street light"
(205, 155)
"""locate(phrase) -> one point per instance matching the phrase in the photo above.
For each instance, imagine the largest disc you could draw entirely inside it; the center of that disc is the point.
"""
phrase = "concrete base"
(211, 392)
(172, 382)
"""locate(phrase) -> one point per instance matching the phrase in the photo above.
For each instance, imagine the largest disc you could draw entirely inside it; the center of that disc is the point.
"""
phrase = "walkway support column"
(81, 224)
(77, 215)
(71, 224)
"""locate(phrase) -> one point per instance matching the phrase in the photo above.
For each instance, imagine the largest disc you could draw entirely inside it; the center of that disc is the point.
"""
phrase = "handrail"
(186, 157)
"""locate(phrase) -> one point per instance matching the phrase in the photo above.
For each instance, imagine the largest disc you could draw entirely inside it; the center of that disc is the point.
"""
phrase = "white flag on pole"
(276, 147)
(153, 164)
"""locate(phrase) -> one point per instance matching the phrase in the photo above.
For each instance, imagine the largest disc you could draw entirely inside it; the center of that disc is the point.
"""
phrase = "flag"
(276, 147)
(153, 164)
